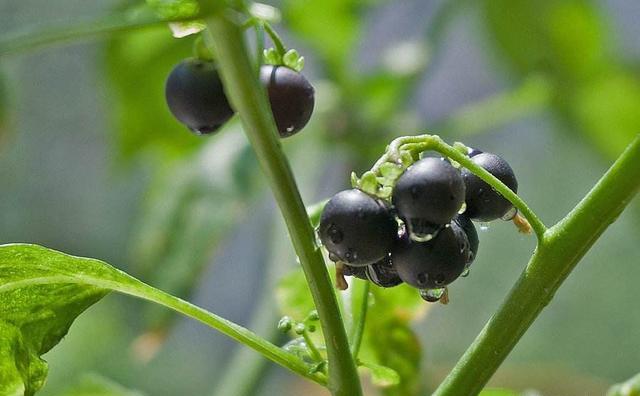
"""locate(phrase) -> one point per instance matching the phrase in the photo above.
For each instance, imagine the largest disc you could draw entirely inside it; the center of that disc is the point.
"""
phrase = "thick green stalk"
(249, 99)
(559, 251)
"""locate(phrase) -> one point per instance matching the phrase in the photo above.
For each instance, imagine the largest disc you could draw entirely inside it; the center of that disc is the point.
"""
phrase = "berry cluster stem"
(559, 251)
(419, 143)
(249, 99)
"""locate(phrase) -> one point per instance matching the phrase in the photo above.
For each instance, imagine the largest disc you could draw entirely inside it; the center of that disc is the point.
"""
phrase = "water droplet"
(510, 214)
(432, 295)
(333, 257)
(465, 273)
(290, 128)
(463, 208)
(484, 226)
(335, 234)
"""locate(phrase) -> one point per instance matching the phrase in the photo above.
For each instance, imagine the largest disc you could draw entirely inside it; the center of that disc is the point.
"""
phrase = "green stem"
(359, 322)
(315, 353)
(557, 255)
(277, 41)
(249, 99)
(39, 37)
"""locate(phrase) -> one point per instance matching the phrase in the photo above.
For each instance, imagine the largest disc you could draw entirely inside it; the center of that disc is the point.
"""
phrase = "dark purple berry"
(429, 194)
(433, 264)
(291, 98)
(472, 152)
(383, 273)
(483, 202)
(196, 97)
(472, 235)
(357, 228)
(358, 272)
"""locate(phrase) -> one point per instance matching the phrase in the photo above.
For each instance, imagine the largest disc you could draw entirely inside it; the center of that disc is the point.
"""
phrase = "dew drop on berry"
(333, 257)
(432, 295)
(290, 128)
(465, 273)
(463, 208)
(439, 279)
(423, 278)
(350, 256)
(510, 214)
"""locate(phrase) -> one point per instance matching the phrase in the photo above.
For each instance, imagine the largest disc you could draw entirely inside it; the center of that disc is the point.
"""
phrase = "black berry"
(483, 202)
(429, 194)
(472, 235)
(357, 228)
(383, 273)
(358, 272)
(432, 264)
(291, 98)
(196, 97)
(472, 152)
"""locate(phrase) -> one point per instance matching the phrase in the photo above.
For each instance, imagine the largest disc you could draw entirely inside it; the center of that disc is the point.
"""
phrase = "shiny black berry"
(357, 228)
(483, 202)
(433, 264)
(383, 273)
(428, 194)
(291, 98)
(196, 97)
(472, 235)
(472, 152)
(358, 272)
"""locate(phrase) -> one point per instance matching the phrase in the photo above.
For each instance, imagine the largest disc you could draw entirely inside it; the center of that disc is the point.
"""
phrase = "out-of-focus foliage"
(628, 388)
(137, 66)
(95, 385)
(189, 210)
(498, 392)
(174, 9)
(568, 42)
(38, 303)
(388, 341)
(3, 103)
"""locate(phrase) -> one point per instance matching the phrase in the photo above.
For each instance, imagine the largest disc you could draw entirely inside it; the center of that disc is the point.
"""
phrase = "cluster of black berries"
(420, 238)
(196, 97)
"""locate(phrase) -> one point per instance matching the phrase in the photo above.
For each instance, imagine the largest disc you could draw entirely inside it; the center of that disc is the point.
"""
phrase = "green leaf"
(628, 388)
(369, 183)
(36, 310)
(382, 376)
(293, 295)
(95, 385)
(42, 292)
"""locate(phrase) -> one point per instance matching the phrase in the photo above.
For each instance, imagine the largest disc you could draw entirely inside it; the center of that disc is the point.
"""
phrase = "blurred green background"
(92, 164)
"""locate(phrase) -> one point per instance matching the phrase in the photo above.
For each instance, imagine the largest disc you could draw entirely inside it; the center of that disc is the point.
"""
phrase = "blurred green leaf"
(174, 9)
(95, 385)
(389, 340)
(498, 392)
(380, 375)
(293, 295)
(189, 211)
(41, 294)
(137, 66)
(592, 89)
(628, 388)
(330, 26)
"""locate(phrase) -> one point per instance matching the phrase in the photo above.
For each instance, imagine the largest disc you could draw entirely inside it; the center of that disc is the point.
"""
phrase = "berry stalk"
(558, 252)
(249, 99)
